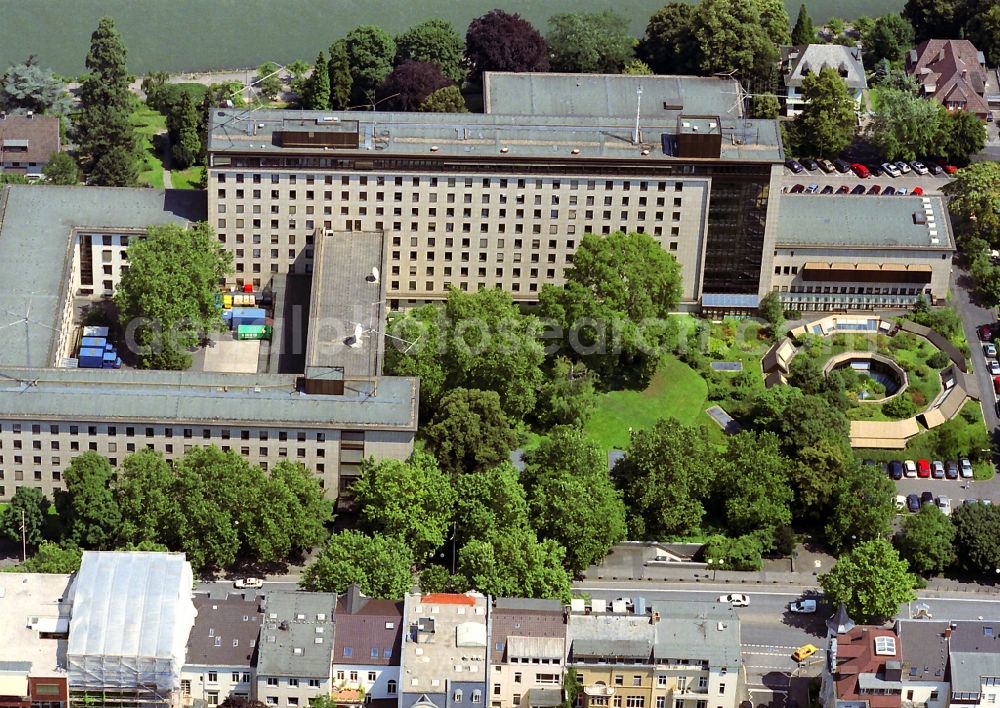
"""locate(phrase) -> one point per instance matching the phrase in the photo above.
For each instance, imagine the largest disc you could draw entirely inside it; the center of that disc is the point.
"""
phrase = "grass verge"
(147, 124)
(187, 179)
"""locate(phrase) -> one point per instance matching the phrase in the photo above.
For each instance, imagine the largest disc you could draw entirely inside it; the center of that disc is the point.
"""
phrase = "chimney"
(655, 617)
(947, 633)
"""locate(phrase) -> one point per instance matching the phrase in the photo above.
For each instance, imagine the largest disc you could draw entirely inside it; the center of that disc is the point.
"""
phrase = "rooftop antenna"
(25, 319)
(638, 107)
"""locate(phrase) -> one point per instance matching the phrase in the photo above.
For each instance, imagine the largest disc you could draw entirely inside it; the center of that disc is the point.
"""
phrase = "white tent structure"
(132, 614)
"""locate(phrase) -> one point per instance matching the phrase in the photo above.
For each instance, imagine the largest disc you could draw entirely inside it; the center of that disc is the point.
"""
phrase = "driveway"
(930, 183)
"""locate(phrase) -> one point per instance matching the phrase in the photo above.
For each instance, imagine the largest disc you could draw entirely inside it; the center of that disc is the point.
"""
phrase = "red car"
(923, 468)
(860, 170)
(985, 332)
(917, 191)
(996, 384)
(949, 169)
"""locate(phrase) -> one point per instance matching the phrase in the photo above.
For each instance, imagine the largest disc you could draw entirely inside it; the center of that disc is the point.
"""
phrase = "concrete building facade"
(367, 650)
(527, 651)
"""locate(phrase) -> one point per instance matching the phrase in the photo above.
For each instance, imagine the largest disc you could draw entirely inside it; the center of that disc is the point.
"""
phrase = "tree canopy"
(515, 564)
(409, 85)
(977, 527)
(827, 123)
(90, 514)
(434, 41)
(29, 87)
(975, 195)
(340, 78)
(54, 558)
(668, 45)
(167, 296)
(380, 565)
(447, 99)
(29, 507)
(889, 37)
(500, 41)
(413, 501)
(61, 169)
(589, 42)
(906, 126)
(371, 52)
(863, 507)
(803, 32)
(470, 432)
(927, 540)
(871, 581)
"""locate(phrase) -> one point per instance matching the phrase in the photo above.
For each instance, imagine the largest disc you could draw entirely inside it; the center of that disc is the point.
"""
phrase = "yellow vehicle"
(803, 652)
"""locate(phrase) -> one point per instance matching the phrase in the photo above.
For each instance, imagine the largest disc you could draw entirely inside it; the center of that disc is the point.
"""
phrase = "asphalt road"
(929, 183)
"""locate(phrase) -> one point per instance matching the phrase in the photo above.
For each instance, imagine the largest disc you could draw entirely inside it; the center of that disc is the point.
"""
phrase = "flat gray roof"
(698, 630)
(603, 95)
(478, 136)
(863, 221)
(36, 222)
(33, 595)
(347, 297)
(203, 398)
(297, 636)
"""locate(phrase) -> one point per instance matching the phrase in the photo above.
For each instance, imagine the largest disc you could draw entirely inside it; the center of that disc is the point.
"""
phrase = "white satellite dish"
(373, 278)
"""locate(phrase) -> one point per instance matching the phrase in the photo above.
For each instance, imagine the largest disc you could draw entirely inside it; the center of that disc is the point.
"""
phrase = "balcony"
(599, 689)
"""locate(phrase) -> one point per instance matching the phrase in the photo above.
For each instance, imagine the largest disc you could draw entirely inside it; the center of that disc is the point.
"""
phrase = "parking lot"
(929, 183)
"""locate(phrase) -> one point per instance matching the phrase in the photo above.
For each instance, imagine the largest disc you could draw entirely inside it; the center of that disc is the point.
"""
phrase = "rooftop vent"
(434, 148)
(919, 217)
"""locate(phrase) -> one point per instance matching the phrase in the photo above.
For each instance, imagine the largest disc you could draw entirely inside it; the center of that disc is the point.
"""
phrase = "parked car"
(797, 189)
(860, 170)
(876, 170)
(909, 468)
(794, 166)
(937, 469)
(913, 502)
(951, 469)
(901, 191)
(919, 168)
(935, 168)
(948, 169)
(966, 467)
(859, 189)
(996, 384)
(828, 189)
(888, 191)
(926, 498)
(923, 468)
(842, 166)
(985, 332)
(826, 165)
(843, 189)
(803, 653)
(918, 191)
(802, 607)
(891, 169)
(249, 583)
(900, 502)
(736, 599)
(986, 502)
(903, 167)
(990, 349)
(812, 189)
(809, 163)
(944, 504)
(896, 469)
(874, 189)
(994, 366)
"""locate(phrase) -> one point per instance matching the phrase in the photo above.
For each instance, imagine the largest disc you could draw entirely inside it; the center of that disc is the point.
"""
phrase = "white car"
(249, 583)
(990, 349)
(902, 192)
(909, 468)
(965, 468)
(919, 168)
(944, 504)
(900, 502)
(803, 607)
(903, 167)
(994, 367)
(891, 169)
(735, 599)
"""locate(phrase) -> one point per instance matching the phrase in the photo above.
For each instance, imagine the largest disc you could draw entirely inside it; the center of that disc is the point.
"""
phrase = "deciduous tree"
(54, 558)
(752, 479)
(827, 123)
(515, 564)
(171, 284)
(772, 310)
(927, 541)
(435, 41)
(977, 528)
(370, 54)
(572, 499)
(637, 67)
(380, 565)
(975, 193)
(765, 105)
(470, 432)
(306, 511)
(61, 169)
(964, 134)
(871, 581)
(500, 41)
(268, 80)
(447, 99)
(668, 45)
(589, 42)
(934, 18)
(27, 509)
(409, 85)
(89, 511)
(889, 37)
(489, 504)
(741, 36)
(567, 397)
(863, 508)
(413, 501)
(145, 489)
(906, 126)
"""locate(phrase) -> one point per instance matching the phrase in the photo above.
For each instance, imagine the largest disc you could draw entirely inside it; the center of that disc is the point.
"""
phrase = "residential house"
(953, 71)
(367, 647)
(924, 648)
(808, 59)
(34, 622)
(528, 646)
(27, 142)
(974, 663)
(295, 650)
(444, 659)
(864, 670)
(221, 649)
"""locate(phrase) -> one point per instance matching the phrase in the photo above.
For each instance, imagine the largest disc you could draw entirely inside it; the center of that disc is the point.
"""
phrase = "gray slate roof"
(924, 650)
(234, 621)
(975, 653)
(699, 631)
(809, 59)
(292, 626)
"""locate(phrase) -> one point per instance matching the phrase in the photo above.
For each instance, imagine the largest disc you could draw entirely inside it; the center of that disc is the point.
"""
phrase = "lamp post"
(714, 565)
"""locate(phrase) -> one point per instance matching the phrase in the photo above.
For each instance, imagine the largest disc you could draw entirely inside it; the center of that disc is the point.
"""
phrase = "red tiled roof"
(855, 656)
(952, 67)
(444, 598)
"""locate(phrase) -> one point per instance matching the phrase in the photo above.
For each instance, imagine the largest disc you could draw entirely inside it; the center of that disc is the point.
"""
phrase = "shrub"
(792, 315)
(742, 553)
(899, 407)
(918, 398)
(938, 360)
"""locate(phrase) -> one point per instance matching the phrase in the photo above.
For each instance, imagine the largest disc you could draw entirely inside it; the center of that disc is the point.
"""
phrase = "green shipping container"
(253, 332)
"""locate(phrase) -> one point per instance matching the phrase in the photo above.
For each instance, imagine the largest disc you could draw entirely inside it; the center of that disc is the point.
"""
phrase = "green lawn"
(187, 179)
(676, 391)
(148, 123)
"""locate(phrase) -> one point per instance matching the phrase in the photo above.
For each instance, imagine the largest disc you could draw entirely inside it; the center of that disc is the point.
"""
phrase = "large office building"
(62, 249)
(501, 199)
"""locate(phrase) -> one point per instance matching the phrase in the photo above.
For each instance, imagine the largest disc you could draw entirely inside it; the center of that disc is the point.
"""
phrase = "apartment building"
(973, 663)
(668, 655)
(864, 670)
(527, 651)
(924, 649)
(367, 650)
(502, 199)
(800, 62)
(444, 657)
(861, 253)
(295, 650)
(220, 660)
(63, 247)
(34, 624)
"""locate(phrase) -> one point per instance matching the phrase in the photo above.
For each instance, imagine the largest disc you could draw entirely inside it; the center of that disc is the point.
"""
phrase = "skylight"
(885, 646)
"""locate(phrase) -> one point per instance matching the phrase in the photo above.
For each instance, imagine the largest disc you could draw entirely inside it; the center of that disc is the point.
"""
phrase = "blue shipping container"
(247, 316)
(93, 343)
(91, 358)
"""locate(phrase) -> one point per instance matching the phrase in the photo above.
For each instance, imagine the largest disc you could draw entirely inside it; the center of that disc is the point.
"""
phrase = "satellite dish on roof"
(373, 278)
(354, 341)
